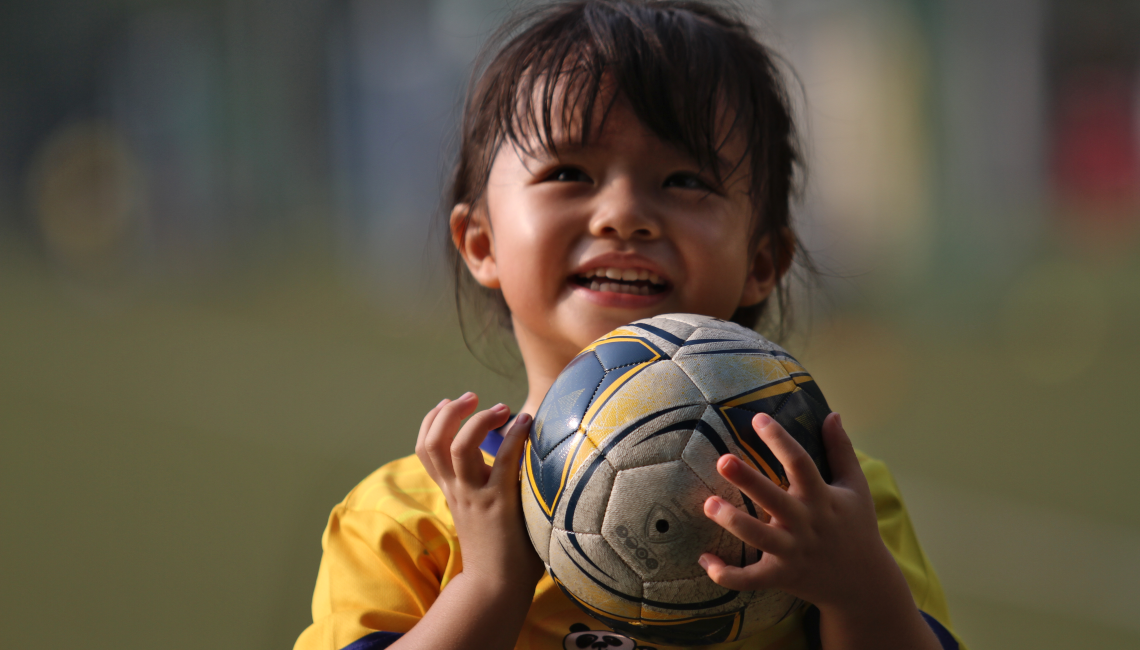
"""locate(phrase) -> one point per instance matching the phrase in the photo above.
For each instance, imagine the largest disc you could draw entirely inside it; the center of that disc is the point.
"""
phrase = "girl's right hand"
(484, 499)
(486, 604)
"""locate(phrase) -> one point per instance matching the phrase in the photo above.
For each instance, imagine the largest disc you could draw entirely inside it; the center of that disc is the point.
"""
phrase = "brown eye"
(687, 181)
(569, 175)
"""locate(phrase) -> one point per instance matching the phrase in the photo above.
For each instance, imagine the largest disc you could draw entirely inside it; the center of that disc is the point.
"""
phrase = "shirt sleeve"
(898, 534)
(385, 562)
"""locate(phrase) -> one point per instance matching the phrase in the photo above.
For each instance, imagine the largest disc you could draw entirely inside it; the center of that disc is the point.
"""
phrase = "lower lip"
(619, 300)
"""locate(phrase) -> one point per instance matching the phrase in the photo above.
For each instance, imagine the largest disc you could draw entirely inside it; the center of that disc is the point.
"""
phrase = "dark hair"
(679, 64)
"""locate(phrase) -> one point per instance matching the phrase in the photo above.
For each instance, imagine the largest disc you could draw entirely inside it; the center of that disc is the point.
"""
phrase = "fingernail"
(728, 462)
(703, 562)
(465, 396)
(762, 420)
(442, 402)
(499, 408)
(839, 419)
(712, 506)
(523, 419)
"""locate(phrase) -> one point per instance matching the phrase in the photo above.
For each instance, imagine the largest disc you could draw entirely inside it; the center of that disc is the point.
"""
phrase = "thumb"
(510, 452)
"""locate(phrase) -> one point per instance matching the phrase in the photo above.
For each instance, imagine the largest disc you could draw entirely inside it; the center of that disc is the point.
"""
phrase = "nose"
(624, 212)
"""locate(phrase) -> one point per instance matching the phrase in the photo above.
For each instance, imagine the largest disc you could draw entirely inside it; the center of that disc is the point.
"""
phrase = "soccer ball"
(622, 455)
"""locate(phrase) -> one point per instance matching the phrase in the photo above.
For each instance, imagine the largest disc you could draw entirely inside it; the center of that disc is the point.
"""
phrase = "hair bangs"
(671, 64)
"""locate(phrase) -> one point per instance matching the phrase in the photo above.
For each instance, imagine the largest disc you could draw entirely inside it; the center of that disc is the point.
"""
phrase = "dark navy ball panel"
(607, 381)
(535, 470)
(623, 353)
(812, 389)
(565, 403)
(802, 417)
(767, 405)
(374, 641)
(741, 420)
(945, 639)
(548, 472)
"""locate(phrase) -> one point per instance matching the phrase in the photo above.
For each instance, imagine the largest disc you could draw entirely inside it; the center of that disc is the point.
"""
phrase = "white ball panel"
(644, 496)
(594, 573)
(590, 505)
(716, 344)
(701, 457)
(660, 386)
(721, 376)
(688, 591)
(726, 328)
(692, 320)
(645, 446)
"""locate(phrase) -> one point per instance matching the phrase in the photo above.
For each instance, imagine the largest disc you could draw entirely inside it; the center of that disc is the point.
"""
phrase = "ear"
(471, 234)
(769, 264)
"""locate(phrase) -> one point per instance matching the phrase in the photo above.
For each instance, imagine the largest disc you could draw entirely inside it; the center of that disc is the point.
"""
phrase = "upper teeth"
(627, 275)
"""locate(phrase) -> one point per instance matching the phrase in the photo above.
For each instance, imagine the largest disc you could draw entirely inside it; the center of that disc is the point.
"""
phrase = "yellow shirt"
(390, 548)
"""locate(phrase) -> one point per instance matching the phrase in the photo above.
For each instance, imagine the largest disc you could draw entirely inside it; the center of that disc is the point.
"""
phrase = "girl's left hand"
(821, 544)
(819, 537)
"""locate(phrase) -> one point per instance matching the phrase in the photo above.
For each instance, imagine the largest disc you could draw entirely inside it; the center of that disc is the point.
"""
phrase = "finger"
(747, 528)
(755, 576)
(841, 456)
(802, 473)
(770, 496)
(425, 426)
(511, 451)
(466, 457)
(437, 443)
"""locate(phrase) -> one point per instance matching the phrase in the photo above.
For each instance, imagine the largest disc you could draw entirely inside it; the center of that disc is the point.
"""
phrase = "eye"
(687, 181)
(568, 175)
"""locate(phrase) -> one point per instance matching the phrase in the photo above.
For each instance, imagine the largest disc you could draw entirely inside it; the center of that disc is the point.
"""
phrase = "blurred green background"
(221, 305)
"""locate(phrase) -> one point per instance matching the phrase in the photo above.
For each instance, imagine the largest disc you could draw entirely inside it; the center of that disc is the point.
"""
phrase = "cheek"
(534, 239)
(720, 261)
(531, 259)
(523, 249)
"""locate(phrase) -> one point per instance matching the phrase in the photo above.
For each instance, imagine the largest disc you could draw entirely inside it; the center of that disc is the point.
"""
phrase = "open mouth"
(639, 282)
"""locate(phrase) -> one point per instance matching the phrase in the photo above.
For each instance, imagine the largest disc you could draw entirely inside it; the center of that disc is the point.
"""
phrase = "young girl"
(620, 159)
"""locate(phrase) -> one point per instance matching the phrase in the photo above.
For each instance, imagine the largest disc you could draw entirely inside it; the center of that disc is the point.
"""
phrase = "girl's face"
(626, 227)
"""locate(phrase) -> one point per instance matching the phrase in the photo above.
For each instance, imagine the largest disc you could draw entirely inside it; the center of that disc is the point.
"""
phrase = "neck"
(543, 360)
(539, 377)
